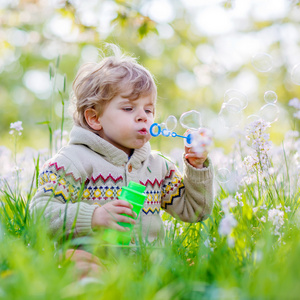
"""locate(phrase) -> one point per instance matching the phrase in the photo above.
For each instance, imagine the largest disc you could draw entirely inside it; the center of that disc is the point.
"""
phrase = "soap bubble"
(223, 175)
(171, 123)
(270, 97)
(230, 115)
(262, 62)
(250, 119)
(269, 112)
(236, 97)
(190, 119)
(295, 74)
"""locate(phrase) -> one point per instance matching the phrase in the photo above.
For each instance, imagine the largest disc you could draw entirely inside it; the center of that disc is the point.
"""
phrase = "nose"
(141, 116)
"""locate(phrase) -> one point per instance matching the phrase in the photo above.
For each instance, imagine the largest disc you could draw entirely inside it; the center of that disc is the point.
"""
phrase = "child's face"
(126, 123)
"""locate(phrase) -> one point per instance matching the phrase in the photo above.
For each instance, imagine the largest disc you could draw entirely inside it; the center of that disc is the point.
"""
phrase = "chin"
(139, 145)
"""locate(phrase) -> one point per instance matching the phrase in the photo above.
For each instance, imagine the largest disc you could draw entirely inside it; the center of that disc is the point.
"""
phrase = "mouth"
(143, 131)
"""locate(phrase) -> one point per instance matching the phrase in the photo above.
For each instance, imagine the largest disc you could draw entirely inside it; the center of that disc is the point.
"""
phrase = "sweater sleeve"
(58, 199)
(188, 197)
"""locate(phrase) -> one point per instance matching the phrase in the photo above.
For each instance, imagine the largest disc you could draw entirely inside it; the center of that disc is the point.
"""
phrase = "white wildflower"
(295, 102)
(276, 217)
(238, 196)
(297, 114)
(251, 162)
(291, 134)
(263, 219)
(227, 224)
(228, 203)
(16, 126)
(207, 243)
(230, 241)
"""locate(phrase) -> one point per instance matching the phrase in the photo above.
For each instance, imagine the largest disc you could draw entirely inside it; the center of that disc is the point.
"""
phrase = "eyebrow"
(126, 101)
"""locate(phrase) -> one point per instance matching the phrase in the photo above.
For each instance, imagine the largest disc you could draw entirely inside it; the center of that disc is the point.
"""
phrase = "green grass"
(196, 262)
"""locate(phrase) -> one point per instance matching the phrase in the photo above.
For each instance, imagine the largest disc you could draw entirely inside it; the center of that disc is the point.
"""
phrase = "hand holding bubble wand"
(197, 139)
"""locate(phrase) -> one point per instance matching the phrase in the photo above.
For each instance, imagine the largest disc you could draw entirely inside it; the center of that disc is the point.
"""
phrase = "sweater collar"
(81, 136)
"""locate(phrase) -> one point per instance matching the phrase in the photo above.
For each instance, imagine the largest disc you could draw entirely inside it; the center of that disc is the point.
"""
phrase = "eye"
(148, 111)
(127, 108)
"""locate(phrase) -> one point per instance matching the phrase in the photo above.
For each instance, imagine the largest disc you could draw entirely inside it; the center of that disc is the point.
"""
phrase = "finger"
(125, 219)
(121, 228)
(195, 156)
(121, 203)
(126, 211)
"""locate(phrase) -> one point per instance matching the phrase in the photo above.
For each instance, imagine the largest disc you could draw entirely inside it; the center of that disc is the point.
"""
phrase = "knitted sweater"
(90, 171)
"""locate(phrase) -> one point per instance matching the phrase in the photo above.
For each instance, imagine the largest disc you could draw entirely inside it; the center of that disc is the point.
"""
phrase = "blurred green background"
(197, 50)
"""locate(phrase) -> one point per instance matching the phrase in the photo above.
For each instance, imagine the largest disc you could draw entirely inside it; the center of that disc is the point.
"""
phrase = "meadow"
(247, 249)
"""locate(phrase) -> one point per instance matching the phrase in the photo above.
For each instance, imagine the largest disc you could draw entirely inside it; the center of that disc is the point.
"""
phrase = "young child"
(109, 146)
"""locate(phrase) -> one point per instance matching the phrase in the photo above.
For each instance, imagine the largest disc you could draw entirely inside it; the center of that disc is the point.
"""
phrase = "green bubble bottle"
(134, 194)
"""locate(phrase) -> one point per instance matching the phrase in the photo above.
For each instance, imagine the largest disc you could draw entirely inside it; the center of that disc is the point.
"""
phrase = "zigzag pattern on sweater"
(172, 197)
(97, 193)
(55, 193)
(65, 173)
(79, 179)
(154, 210)
(152, 183)
(115, 180)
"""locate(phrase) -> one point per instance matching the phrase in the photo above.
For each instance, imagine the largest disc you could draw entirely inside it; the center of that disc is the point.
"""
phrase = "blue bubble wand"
(165, 132)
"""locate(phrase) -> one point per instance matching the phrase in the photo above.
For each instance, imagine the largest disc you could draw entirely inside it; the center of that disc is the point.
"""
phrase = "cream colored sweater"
(90, 172)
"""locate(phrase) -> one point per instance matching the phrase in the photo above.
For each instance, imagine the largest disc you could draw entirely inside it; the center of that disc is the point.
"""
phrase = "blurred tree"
(196, 51)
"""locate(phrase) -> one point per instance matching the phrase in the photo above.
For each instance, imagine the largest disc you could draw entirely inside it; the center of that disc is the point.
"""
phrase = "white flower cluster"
(228, 203)
(260, 143)
(16, 127)
(228, 222)
(17, 171)
(276, 216)
(295, 102)
(256, 132)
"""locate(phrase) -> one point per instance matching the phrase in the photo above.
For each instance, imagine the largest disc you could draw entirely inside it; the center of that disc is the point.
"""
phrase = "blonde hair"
(98, 83)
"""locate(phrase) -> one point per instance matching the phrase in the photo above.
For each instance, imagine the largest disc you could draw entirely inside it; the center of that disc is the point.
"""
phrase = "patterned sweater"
(90, 171)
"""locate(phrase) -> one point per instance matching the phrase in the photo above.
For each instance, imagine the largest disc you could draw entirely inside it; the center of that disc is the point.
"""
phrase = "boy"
(78, 188)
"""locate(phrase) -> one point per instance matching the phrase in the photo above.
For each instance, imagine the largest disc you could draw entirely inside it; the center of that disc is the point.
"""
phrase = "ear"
(92, 118)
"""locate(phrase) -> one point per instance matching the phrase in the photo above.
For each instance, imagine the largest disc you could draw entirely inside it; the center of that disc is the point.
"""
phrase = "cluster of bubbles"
(263, 62)
(201, 138)
(231, 113)
(235, 102)
(190, 120)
